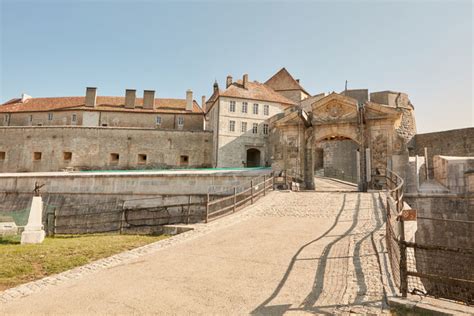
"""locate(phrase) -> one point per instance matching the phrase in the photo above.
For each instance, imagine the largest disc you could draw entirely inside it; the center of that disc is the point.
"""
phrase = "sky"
(422, 48)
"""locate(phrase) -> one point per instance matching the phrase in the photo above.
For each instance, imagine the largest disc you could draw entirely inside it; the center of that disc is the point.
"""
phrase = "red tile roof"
(102, 104)
(284, 81)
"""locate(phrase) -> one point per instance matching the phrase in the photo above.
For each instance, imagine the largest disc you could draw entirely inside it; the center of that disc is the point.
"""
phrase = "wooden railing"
(230, 201)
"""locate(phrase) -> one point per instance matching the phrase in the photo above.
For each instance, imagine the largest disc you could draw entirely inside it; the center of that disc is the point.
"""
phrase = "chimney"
(228, 81)
(130, 95)
(203, 103)
(91, 96)
(149, 99)
(25, 97)
(189, 100)
(245, 81)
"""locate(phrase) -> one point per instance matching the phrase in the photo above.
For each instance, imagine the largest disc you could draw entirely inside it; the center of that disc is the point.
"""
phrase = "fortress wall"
(94, 201)
(91, 148)
(458, 142)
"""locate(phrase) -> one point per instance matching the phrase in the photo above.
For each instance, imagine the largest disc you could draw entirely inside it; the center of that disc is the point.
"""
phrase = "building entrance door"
(253, 157)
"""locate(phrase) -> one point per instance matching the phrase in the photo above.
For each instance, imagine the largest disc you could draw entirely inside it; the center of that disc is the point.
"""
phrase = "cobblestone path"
(291, 252)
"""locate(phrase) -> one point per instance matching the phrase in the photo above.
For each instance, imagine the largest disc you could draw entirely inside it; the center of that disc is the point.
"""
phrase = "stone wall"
(451, 172)
(458, 142)
(94, 201)
(26, 149)
(339, 159)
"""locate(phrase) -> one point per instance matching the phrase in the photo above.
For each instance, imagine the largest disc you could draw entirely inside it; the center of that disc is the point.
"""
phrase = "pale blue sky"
(423, 48)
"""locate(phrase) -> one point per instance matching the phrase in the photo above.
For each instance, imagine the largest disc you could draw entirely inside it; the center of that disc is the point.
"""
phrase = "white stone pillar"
(34, 233)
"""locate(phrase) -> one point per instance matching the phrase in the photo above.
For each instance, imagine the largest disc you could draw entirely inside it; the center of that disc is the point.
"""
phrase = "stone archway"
(253, 157)
(375, 128)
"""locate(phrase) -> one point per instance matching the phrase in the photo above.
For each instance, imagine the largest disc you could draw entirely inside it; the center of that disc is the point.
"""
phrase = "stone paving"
(291, 252)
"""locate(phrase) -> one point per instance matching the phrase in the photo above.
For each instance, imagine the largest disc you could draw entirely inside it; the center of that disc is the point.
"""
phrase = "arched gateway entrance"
(253, 157)
(344, 137)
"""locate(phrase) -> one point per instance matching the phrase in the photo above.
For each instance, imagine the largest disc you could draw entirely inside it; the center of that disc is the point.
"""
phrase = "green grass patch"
(24, 263)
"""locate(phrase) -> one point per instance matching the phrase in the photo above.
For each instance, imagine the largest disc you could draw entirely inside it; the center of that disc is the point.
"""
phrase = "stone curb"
(431, 306)
(126, 256)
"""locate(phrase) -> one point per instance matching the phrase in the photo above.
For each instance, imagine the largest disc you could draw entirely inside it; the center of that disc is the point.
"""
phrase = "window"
(114, 157)
(6, 119)
(180, 122)
(67, 156)
(244, 107)
(232, 106)
(183, 160)
(158, 120)
(31, 118)
(105, 124)
(2, 155)
(266, 110)
(142, 159)
(74, 118)
(255, 128)
(255, 108)
(244, 127)
(232, 126)
(37, 156)
(50, 116)
(265, 129)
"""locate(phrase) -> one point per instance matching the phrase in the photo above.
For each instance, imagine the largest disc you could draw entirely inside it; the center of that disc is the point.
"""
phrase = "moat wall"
(95, 201)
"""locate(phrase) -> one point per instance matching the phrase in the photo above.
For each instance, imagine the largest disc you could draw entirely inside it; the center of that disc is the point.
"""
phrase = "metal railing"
(418, 268)
(238, 197)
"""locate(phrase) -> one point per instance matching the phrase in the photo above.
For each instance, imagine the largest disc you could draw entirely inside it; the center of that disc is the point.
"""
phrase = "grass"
(23, 263)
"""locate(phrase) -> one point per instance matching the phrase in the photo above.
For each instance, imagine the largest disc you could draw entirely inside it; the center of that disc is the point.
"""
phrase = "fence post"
(54, 221)
(207, 208)
(264, 185)
(189, 209)
(251, 191)
(403, 261)
(235, 197)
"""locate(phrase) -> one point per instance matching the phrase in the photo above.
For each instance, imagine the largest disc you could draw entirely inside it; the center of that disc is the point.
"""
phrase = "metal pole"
(207, 208)
(235, 197)
(189, 209)
(251, 191)
(264, 185)
(403, 261)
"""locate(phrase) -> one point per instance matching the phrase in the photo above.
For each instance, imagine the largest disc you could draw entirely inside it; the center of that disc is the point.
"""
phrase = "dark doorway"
(253, 157)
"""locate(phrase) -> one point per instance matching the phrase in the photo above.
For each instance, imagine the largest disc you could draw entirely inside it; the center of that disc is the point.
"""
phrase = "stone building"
(278, 123)
(238, 117)
(92, 110)
(96, 132)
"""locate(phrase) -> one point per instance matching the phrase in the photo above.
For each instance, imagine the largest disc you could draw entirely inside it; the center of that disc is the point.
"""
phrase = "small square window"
(142, 159)
(114, 157)
(67, 155)
(2, 155)
(37, 156)
(180, 122)
(183, 160)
